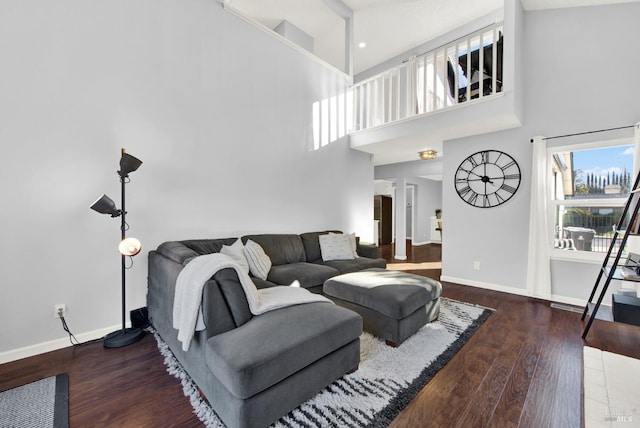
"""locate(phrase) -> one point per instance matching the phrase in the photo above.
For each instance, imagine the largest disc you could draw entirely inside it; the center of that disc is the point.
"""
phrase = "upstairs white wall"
(220, 114)
(580, 74)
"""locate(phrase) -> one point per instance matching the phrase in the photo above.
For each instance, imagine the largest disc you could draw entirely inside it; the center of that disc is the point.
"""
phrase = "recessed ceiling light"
(362, 45)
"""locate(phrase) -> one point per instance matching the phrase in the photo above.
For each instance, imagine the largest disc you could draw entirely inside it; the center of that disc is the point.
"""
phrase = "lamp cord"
(72, 338)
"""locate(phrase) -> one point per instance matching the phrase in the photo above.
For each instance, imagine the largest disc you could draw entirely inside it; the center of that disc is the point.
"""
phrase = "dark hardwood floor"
(523, 367)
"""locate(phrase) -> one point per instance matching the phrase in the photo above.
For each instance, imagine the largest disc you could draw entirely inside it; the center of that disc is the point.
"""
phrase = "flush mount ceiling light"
(428, 154)
(362, 45)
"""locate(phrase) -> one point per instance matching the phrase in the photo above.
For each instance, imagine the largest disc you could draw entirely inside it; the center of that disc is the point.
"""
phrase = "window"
(591, 184)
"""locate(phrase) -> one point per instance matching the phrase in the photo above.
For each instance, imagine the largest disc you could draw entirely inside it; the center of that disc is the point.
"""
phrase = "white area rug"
(385, 382)
(611, 389)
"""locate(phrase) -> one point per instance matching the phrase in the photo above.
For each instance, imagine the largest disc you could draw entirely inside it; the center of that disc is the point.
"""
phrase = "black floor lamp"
(128, 247)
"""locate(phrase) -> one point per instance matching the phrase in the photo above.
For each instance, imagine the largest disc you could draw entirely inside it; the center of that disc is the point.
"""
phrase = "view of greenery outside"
(597, 175)
(590, 184)
(599, 219)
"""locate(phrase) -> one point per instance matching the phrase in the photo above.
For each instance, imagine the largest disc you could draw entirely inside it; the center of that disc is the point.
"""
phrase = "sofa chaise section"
(252, 369)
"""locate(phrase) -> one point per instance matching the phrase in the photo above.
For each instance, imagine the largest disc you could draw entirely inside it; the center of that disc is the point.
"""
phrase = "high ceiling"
(388, 27)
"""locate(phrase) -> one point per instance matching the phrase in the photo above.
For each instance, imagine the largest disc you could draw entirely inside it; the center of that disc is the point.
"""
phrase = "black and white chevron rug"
(385, 382)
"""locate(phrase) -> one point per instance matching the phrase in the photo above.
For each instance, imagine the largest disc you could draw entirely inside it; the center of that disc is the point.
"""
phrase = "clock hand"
(483, 179)
(471, 172)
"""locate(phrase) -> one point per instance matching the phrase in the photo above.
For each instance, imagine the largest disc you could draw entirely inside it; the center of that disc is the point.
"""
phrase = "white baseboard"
(514, 290)
(487, 285)
(52, 345)
(415, 244)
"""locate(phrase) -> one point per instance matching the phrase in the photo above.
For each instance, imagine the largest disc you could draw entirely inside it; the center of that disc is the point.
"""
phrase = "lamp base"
(121, 338)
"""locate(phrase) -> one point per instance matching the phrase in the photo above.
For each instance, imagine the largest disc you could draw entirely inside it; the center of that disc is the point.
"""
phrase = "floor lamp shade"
(105, 205)
(128, 164)
(128, 247)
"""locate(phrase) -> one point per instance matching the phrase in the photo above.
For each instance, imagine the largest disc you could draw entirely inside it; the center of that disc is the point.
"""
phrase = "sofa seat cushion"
(308, 274)
(275, 345)
(355, 265)
(261, 283)
(394, 294)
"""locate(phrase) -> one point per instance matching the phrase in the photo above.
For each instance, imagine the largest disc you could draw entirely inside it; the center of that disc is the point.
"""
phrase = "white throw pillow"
(236, 252)
(334, 246)
(354, 245)
(352, 241)
(259, 262)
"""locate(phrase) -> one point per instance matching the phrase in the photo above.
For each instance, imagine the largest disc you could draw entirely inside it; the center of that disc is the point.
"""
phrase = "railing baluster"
(456, 75)
(481, 66)
(397, 94)
(494, 62)
(423, 95)
(434, 77)
(468, 97)
(394, 94)
(362, 104)
(369, 106)
(408, 86)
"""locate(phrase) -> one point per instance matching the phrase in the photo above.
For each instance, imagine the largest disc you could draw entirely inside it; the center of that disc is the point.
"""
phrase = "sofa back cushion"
(281, 249)
(224, 304)
(183, 251)
(207, 246)
(311, 244)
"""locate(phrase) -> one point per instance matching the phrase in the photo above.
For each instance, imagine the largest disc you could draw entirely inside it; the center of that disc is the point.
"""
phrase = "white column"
(401, 219)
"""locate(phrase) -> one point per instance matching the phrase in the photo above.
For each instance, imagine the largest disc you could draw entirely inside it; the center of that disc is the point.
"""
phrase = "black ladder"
(633, 203)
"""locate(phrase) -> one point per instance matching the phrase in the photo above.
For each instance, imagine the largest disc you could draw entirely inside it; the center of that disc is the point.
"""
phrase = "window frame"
(582, 256)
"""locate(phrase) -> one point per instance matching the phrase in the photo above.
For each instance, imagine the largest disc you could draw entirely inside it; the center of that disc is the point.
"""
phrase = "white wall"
(219, 113)
(580, 73)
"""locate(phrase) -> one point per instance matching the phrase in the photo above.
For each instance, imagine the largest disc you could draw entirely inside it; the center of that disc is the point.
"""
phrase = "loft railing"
(436, 80)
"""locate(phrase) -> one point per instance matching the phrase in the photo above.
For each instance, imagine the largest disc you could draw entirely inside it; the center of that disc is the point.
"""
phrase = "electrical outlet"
(60, 310)
(476, 265)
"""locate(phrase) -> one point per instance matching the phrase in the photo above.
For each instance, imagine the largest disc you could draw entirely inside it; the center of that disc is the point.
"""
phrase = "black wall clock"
(487, 179)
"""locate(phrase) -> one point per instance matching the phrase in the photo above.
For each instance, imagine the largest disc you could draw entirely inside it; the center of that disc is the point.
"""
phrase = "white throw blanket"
(191, 279)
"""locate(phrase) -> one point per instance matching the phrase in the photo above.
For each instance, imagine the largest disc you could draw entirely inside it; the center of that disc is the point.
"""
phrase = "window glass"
(590, 190)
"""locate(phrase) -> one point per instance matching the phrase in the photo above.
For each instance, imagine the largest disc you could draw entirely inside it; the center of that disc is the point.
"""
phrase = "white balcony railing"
(436, 80)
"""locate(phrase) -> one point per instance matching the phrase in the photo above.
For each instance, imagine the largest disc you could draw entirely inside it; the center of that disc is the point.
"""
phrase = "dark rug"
(385, 382)
(40, 404)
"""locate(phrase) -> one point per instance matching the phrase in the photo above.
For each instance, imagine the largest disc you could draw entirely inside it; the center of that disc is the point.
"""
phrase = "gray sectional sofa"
(254, 369)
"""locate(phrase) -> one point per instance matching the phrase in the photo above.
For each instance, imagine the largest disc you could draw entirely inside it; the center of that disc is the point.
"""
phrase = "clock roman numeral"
(473, 197)
(473, 162)
(485, 201)
(468, 195)
(510, 164)
(508, 188)
(485, 156)
(512, 177)
(462, 192)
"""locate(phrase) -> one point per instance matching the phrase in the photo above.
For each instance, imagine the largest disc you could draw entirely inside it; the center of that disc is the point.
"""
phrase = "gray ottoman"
(394, 305)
